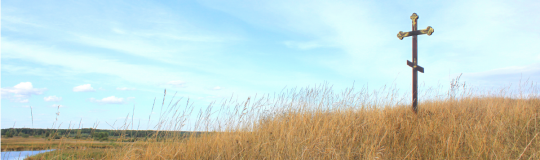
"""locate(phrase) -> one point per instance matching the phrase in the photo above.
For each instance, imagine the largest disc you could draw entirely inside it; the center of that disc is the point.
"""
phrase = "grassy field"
(32, 143)
(318, 123)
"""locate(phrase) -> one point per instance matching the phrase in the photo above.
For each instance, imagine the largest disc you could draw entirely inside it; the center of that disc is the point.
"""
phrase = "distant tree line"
(84, 133)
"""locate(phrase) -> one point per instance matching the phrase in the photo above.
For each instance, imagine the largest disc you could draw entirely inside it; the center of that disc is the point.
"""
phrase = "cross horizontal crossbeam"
(427, 31)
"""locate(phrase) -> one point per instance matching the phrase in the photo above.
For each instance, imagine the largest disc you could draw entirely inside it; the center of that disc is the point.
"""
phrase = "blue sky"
(97, 60)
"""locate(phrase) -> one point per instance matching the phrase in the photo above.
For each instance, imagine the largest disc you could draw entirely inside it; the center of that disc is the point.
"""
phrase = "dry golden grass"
(316, 123)
(483, 128)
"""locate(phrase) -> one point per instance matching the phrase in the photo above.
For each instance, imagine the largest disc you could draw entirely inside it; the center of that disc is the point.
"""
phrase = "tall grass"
(318, 123)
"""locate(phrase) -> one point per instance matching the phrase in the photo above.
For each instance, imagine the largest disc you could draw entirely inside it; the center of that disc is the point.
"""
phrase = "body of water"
(20, 155)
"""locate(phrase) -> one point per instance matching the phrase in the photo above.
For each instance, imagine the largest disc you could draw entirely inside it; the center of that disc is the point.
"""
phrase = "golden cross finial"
(414, 17)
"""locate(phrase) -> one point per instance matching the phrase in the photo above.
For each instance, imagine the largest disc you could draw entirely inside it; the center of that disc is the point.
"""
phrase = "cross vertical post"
(414, 64)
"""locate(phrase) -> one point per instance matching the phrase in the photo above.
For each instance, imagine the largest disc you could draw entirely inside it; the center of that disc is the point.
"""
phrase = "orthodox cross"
(414, 64)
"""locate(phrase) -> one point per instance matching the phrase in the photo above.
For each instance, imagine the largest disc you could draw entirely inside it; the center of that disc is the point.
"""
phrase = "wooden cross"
(414, 64)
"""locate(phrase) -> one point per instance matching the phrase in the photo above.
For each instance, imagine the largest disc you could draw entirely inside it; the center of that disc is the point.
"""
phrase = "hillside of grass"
(319, 123)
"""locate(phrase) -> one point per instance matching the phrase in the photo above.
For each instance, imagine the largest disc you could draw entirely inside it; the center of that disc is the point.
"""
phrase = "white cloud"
(125, 89)
(52, 98)
(119, 31)
(21, 92)
(504, 76)
(177, 83)
(109, 100)
(83, 88)
(57, 105)
(216, 88)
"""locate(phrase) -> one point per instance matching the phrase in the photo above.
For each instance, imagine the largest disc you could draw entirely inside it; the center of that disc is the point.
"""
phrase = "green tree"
(8, 134)
(13, 132)
(79, 134)
(100, 135)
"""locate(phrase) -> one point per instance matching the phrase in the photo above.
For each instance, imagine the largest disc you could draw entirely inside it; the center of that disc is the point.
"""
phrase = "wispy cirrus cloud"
(21, 92)
(84, 88)
(363, 30)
